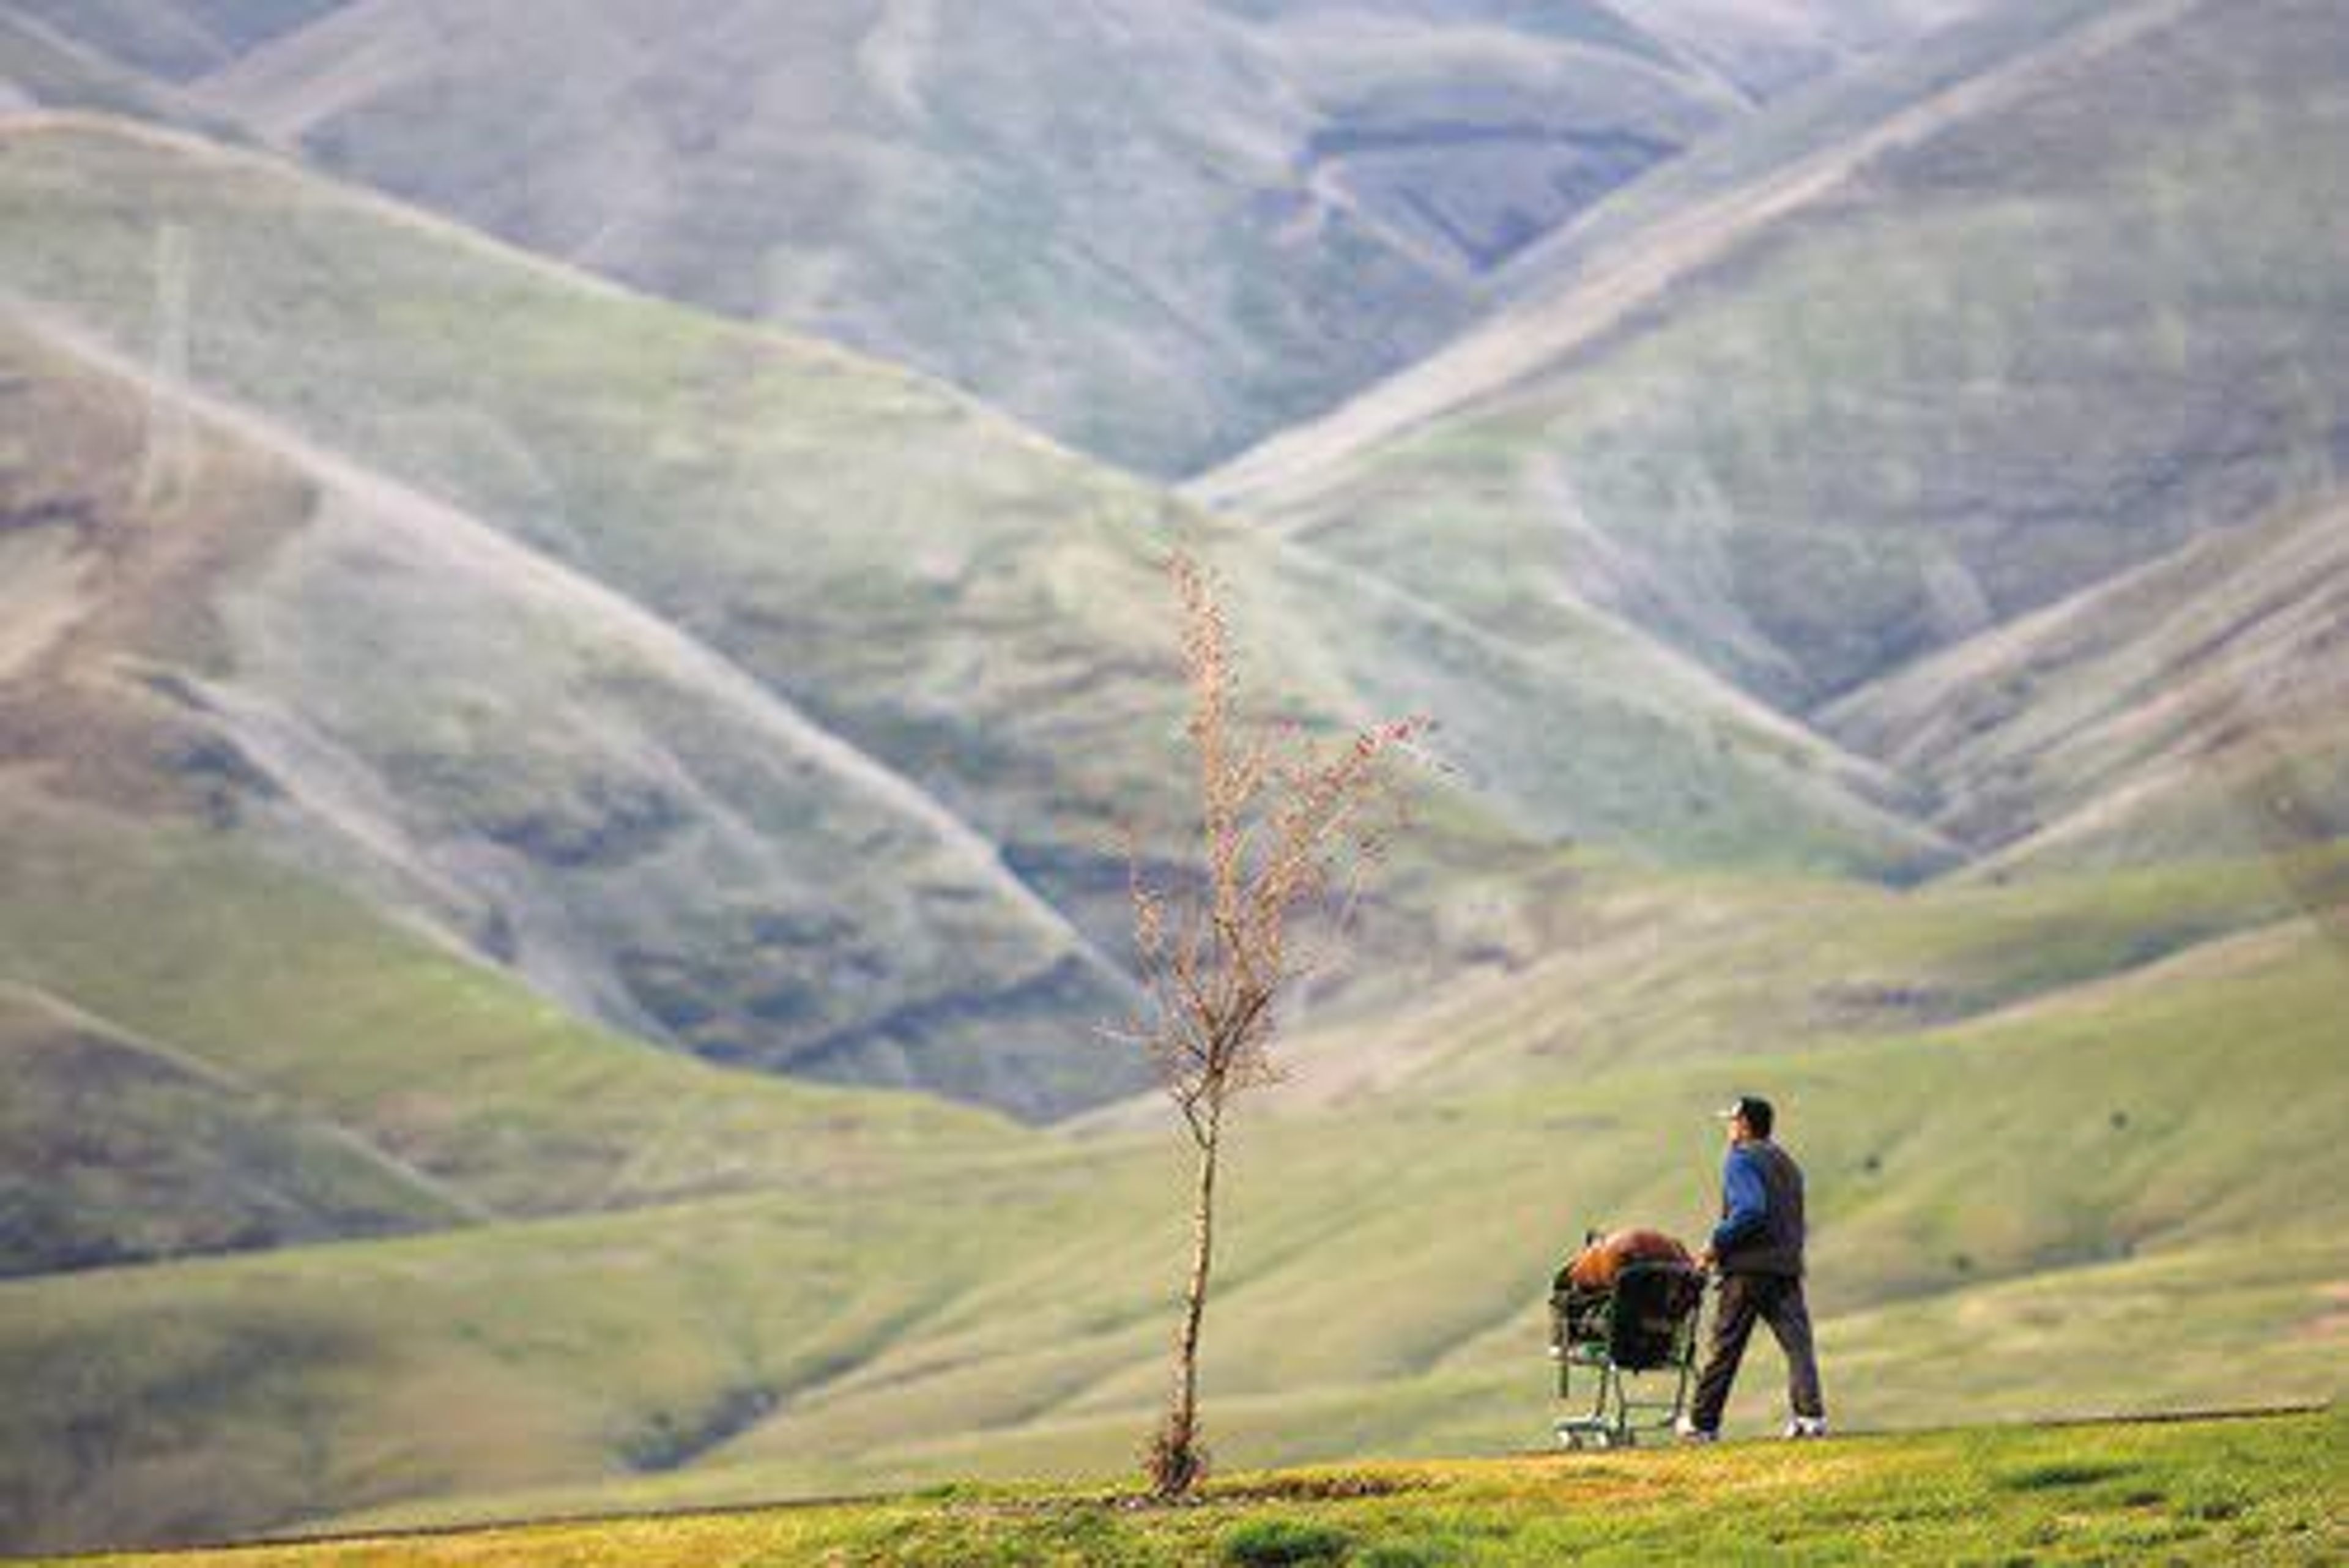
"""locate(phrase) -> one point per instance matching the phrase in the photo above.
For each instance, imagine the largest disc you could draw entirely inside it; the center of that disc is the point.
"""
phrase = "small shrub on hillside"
(1278, 1542)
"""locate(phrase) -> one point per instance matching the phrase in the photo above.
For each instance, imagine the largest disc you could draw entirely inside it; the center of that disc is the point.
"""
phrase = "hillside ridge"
(470, 537)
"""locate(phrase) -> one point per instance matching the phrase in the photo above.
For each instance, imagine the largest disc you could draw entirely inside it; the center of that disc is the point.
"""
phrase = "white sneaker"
(1808, 1427)
(1687, 1431)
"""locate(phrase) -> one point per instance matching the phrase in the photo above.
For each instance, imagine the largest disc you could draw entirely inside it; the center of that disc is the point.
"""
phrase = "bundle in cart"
(1624, 1310)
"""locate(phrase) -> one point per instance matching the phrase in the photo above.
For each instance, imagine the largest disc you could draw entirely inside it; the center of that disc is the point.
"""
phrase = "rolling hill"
(116, 1149)
(211, 619)
(1881, 576)
(244, 999)
(1158, 231)
(636, 511)
(2039, 1122)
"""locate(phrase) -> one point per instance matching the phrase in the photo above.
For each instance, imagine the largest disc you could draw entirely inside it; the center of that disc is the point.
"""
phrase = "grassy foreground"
(2266, 1489)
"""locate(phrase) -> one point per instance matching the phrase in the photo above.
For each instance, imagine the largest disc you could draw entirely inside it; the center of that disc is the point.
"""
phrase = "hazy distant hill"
(43, 66)
(2037, 322)
(1768, 45)
(1158, 230)
(176, 40)
(2198, 706)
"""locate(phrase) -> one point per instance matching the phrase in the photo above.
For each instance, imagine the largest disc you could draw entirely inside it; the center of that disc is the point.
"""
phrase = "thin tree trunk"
(1181, 1427)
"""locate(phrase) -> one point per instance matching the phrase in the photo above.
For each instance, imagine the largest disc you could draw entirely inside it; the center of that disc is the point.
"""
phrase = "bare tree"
(1281, 819)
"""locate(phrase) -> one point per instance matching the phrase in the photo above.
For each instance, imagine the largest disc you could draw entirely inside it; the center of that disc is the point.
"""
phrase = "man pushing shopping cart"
(1626, 1308)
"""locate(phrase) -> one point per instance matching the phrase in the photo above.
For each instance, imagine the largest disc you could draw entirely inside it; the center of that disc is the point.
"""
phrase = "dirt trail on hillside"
(44, 593)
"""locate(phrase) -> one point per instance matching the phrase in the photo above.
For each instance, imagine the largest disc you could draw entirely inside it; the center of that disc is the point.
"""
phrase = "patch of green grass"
(1283, 1544)
(1937, 1499)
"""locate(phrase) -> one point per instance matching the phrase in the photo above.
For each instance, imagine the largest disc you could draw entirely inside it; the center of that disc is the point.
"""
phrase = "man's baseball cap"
(1756, 1110)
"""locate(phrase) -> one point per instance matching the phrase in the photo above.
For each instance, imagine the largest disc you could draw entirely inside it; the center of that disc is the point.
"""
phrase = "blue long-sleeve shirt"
(1747, 1199)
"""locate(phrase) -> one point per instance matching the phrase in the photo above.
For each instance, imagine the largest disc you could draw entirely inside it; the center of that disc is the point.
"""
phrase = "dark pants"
(1777, 1300)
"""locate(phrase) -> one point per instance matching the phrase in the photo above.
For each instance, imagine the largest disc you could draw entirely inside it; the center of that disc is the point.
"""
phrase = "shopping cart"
(1635, 1341)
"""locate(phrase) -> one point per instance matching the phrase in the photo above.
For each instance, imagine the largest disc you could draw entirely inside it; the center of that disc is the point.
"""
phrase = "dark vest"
(1778, 1250)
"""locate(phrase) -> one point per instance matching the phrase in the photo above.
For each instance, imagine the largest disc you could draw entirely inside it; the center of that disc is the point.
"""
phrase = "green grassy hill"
(319, 1005)
(2266, 1490)
(2041, 1123)
(116, 1149)
(233, 628)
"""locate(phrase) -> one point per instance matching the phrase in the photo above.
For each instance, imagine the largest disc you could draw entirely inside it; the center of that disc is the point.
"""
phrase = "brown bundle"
(1597, 1265)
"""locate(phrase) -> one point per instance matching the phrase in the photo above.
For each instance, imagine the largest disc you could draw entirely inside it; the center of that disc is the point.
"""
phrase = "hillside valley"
(2039, 329)
(1159, 231)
